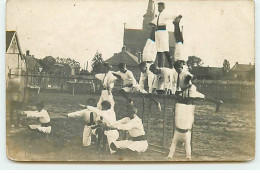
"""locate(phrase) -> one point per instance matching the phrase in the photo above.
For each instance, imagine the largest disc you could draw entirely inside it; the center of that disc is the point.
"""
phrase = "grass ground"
(225, 136)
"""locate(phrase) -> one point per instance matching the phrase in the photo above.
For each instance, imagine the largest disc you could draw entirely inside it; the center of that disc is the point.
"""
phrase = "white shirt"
(163, 18)
(108, 115)
(182, 77)
(42, 115)
(134, 126)
(164, 79)
(85, 113)
(127, 77)
(107, 79)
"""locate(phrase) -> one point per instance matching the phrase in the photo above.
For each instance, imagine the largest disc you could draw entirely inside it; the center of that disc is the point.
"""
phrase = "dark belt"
(149, 62)
(139, 138)
(161, 28)
(45, 124)
(105, 89)
(181, 130)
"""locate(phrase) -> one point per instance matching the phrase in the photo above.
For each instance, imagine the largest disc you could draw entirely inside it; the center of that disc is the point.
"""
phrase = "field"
(225, 136)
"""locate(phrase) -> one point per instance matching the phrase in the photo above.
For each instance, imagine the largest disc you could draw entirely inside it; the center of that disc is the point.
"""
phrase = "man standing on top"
(162, 35)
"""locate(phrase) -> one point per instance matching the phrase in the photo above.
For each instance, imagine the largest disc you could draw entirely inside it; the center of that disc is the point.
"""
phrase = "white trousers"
(86, 138)
(40, 128)
(178, 52)
(105, 97)
(139, 146)
(135, 88)
(162, 40)
(149, 51)
(112, 136)
(181, 137)
(143, 77)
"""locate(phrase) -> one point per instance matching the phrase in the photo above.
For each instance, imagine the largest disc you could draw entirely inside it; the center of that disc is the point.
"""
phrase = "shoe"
(159, 106)
(218, 105)
(188, 158)
(12, 126)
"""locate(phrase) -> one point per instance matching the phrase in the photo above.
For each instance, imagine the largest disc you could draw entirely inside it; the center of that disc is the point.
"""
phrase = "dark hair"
(188, 79)
(132, 107)
(153, 67)
(178, 64)
(106, 105)
(40, 104)
(161, 3)
(121, 65)
(142, 64)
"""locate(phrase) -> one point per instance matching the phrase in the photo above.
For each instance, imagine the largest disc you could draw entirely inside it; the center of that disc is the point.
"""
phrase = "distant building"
(134, 39)
(126, 57)
(245, 72)
(15, 61)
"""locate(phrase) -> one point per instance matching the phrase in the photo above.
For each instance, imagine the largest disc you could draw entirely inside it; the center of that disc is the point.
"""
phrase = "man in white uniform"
(184, 116)
(43, 117)
(163, 82)
(108, 80)
(149, 51)
(132, 124)
(179, 82)
(129, 82)
(162, 35)
(90, 119)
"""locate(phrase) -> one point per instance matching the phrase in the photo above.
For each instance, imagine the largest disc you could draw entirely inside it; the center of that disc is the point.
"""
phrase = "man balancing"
(162, 35)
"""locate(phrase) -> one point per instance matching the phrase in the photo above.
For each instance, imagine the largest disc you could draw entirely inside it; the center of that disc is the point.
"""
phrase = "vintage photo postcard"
(140, 80)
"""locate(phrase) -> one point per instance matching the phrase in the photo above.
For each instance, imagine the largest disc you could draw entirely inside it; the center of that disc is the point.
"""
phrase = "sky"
(213, 30)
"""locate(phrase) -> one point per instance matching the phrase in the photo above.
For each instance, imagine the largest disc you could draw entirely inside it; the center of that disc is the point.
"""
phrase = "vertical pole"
(143, 108)
(148, 117)
(191, 142)
(164, 121)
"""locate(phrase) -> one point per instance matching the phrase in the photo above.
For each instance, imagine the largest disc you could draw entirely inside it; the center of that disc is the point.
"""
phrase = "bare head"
(40, 106)
(161, 6)
(131, 110)
(178, 66)
(122, 67)
(106, 105)
(142, 67)
(154, 69)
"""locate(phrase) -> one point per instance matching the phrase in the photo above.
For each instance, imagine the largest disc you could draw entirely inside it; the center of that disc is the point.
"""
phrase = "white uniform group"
(161, 80)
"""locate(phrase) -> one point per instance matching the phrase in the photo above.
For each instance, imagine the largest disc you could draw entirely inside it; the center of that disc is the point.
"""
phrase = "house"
(245, 72)
(33, 65)
(126, 57)
(15, 61)
(134, 39)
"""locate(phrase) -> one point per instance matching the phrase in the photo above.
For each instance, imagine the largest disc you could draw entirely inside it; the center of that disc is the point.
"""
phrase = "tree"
(194, 61)
(97, 62)
(69, 63)
(226, 66)
(48, 64)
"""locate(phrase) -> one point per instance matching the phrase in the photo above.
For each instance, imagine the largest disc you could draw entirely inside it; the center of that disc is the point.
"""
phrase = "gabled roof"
(242, 67)
(123, 57)
(31, 63)
(10, 35)
(139, 37)
(9, 38)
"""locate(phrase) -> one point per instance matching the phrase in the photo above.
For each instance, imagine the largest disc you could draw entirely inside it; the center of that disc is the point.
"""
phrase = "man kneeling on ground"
(133, 124)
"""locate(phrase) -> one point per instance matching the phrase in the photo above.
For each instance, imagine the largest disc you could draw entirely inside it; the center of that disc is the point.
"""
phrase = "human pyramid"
(100, 117)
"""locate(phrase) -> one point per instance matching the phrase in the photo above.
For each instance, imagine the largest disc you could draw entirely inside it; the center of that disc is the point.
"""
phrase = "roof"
(31, 63)
(9, 37)
(139, 37)
(123, 57)
(242, 67)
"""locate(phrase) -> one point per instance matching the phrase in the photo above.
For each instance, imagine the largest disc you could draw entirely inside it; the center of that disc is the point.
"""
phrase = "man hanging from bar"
(162, 35)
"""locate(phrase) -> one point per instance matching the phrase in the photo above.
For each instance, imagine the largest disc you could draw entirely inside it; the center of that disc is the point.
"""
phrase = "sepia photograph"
(130, 81)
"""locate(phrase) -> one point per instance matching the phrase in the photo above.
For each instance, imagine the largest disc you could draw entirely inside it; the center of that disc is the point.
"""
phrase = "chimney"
(139, 57)
(123, 48)
(236, 63)
(27, 53)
